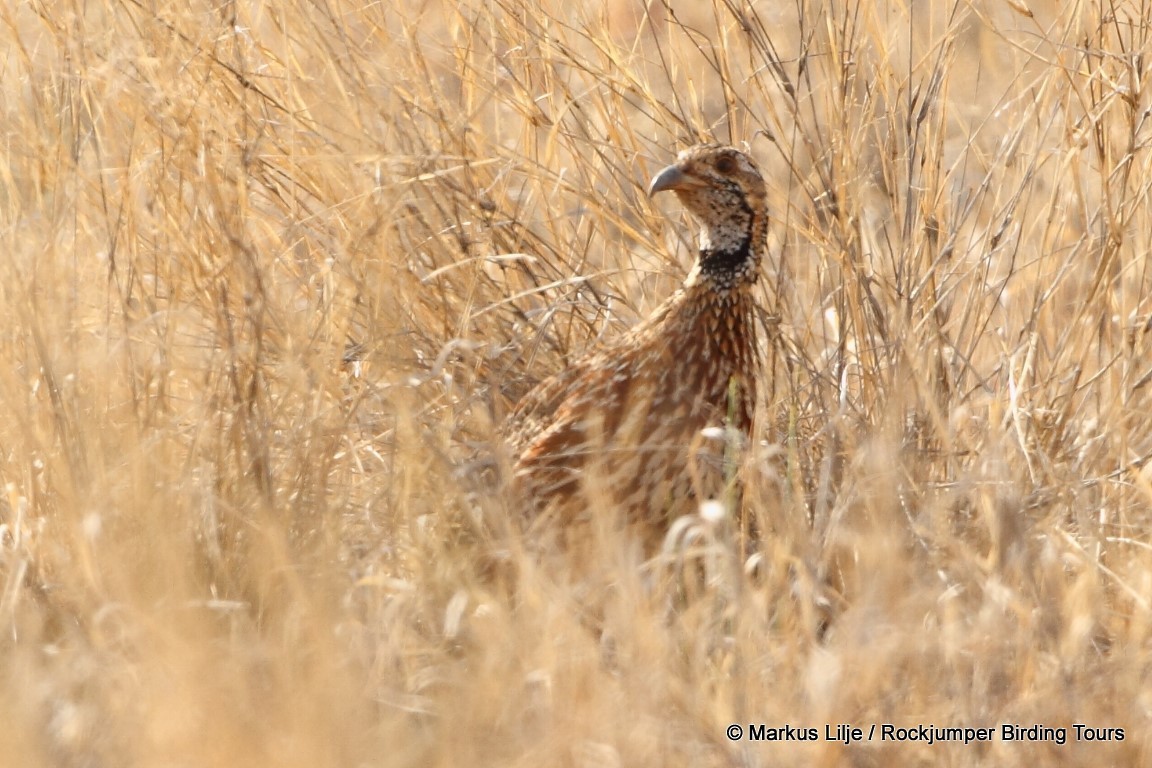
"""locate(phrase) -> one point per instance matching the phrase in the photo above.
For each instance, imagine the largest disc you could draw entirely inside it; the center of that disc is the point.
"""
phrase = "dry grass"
(222, 544)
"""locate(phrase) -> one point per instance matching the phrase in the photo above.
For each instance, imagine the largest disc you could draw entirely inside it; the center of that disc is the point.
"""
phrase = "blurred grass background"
(227, 537)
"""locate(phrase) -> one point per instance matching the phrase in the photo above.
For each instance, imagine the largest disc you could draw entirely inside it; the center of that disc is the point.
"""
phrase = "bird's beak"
(669, 178)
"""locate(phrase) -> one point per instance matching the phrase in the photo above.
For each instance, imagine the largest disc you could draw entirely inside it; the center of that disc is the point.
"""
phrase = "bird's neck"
(730, 251)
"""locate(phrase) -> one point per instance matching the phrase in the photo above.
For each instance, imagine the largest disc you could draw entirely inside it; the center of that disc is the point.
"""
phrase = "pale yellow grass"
(224, 543)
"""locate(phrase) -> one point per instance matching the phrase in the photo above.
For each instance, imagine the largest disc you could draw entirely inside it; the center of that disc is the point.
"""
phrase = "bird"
(648, 423)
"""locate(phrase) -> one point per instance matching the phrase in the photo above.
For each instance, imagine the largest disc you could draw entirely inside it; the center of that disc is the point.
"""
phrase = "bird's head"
(723, 189)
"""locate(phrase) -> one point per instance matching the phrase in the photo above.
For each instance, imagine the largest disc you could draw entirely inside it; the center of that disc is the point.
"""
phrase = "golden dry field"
(272, 273)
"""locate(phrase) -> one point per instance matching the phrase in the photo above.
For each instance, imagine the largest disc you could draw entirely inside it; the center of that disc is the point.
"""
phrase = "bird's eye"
(726, 164)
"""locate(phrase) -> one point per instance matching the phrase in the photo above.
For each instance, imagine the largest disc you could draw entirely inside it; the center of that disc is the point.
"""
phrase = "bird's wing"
(540, 404)
(582, 417)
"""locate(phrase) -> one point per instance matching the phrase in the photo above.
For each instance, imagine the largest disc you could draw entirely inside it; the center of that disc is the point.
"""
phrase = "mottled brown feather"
(631, 420)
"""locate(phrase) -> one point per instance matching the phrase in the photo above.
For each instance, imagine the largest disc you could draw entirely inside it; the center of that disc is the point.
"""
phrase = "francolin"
(653, 424)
